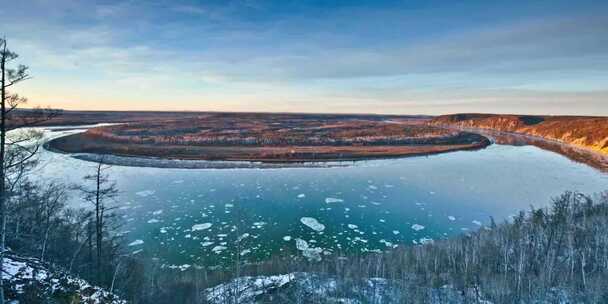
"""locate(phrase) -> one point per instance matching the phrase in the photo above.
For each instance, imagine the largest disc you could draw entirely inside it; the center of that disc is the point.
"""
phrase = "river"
(207, 217)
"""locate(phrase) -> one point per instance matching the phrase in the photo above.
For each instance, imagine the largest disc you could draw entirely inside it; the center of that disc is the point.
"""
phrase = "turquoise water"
(208, 216)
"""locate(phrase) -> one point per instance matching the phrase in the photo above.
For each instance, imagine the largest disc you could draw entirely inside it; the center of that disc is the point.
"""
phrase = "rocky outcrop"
(27, 280)
(581, 131)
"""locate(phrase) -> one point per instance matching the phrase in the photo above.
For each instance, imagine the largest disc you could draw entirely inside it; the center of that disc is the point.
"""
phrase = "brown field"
(271, 137)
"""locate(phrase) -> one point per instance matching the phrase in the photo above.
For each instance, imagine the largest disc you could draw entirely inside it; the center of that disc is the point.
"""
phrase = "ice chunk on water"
(301, 195)
(451, 218)
(417, 227)
(330, 200)
(157, 212)
(202, 226)
(301, 244)
(145, 193)
(287, 238)
(352, 226)
(218, 249)
(311, 253)
(242, 237)
(312, 223)
(478, 223)
(426, 241)
(136, 243)
(152, 221)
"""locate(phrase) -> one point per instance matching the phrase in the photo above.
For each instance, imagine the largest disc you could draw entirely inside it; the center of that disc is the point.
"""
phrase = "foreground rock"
(322, 289)
(27, 280)
(314, 288)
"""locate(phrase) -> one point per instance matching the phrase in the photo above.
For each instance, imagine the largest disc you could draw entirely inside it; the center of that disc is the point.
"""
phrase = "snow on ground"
(312, 288)
(312, 223)
(20, 271)
(246, 289)
(302, 287)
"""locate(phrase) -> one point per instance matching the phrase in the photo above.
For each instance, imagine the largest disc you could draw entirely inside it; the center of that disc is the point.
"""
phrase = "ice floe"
(202, 226)
(312, 223)
(218, 249)
(311, 253)
(145, 193)
(330, 200)
(417, 227)
(136, 243)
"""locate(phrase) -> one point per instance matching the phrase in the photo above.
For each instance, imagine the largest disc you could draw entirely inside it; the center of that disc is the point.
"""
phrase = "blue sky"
(409, 57)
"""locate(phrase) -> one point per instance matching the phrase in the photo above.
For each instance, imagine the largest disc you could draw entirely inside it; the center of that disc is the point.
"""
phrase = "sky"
(386, 57)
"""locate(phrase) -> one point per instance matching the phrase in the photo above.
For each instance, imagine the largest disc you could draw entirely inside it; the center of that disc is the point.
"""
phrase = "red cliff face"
(581, 131)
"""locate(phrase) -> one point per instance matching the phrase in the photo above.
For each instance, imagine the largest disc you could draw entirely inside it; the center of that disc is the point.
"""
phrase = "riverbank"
(584, 132)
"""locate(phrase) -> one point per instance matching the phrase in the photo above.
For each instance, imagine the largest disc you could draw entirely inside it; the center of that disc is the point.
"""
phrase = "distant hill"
(581, 131)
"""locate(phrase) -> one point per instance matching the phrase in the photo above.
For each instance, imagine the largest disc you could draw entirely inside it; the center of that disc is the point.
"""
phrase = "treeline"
(71, 241)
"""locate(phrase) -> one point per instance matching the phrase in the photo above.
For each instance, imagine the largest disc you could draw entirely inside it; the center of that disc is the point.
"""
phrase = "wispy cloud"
(275, 56)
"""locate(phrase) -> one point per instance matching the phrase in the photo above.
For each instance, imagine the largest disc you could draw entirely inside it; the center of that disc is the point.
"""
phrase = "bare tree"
(103, 190)
(16, 152)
